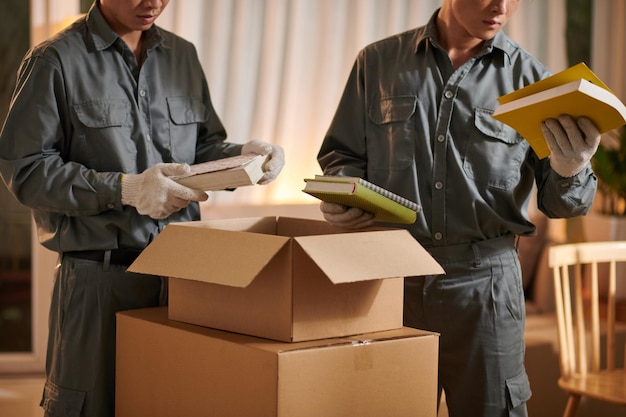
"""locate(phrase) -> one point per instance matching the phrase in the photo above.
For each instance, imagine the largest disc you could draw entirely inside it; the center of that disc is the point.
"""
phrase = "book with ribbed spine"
(357, 192)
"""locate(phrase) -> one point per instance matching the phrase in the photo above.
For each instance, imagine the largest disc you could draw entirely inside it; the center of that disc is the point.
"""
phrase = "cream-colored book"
(226, 173)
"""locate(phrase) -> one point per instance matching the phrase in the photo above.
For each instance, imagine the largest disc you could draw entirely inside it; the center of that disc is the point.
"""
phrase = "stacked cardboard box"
(278, 317)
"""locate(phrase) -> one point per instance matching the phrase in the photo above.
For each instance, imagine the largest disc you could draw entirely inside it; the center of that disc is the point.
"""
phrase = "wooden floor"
(20, 396)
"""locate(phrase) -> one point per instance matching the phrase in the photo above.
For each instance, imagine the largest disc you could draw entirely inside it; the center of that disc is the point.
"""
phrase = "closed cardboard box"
(167, 368)
(283, 278)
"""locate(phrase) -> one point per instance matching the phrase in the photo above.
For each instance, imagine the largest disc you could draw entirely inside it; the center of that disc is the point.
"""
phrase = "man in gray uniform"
(415, 118)
(103, 113)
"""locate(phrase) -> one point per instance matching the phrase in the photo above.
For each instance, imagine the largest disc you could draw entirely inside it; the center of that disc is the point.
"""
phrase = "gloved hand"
(274, 163)
(572, 143)
(156, 195)
(346, 217)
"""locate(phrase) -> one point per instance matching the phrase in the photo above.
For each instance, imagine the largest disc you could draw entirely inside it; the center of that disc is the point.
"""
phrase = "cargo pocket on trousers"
(518, 390)
(62, 402)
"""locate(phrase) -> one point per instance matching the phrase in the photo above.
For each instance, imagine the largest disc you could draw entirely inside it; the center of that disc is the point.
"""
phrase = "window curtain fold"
(608, 48)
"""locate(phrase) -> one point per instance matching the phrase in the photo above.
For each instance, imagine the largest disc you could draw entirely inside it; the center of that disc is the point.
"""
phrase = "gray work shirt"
(84, 112)
(408, 121)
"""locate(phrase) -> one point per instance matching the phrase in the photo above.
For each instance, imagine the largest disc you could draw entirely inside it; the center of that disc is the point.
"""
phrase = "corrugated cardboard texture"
(322, 309)
(218, 256)
(264, 308)
(352, 257)
(166, 368)
(283, 278)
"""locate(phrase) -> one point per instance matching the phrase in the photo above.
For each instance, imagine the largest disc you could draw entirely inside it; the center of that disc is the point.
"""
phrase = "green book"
(357, 192)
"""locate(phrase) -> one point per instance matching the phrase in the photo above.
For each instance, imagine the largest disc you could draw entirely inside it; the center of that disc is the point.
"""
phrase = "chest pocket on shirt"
(392, 119)
(103, 135)
(185, 115)
(103, 113)
(494, 153)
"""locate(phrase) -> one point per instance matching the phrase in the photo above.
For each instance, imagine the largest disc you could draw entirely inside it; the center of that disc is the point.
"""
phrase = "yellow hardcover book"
(576, 72)
(356, 192)
(575, 91)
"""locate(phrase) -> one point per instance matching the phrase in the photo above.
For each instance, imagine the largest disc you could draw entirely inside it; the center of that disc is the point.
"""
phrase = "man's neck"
(459, 44)
(134, 42)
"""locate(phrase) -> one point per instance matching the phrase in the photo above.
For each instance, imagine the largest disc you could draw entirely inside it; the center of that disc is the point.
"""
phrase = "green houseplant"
(609, 165)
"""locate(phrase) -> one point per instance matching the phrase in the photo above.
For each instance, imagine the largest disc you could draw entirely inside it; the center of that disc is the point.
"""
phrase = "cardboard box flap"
(209, 255)
(352, 257)
(265, 225)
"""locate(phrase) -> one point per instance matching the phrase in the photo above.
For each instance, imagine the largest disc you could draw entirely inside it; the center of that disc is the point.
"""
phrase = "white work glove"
(345, 217)
(572, 143)
(274, 163)
(153, 194)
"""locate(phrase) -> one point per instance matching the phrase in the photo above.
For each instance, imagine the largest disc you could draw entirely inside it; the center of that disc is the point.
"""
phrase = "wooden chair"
(589, 368)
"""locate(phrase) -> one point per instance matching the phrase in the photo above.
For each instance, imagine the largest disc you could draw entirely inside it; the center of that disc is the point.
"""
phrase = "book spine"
(390, 195)
(385, 208)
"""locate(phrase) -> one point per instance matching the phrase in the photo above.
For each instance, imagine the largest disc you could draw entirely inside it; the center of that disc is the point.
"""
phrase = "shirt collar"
(102, 36)
(501, 42)
(428, 33)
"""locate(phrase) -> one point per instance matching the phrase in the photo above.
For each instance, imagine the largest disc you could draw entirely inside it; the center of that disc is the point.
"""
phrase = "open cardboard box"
(166, 368)
(284, 278)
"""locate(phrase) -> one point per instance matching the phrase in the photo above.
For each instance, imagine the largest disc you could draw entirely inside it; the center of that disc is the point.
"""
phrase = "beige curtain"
(609, 44)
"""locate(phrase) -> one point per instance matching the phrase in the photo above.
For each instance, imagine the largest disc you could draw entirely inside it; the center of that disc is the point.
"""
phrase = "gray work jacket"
(84, 112)
(409, 122)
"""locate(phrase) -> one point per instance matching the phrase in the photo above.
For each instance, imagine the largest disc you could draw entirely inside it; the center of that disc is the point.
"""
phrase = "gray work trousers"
(478, 309)
(80, 362)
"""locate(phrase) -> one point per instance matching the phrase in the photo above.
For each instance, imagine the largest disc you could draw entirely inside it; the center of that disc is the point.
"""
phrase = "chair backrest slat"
(562, 327)
(580, 366)
(595, 319)
(610, 319)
